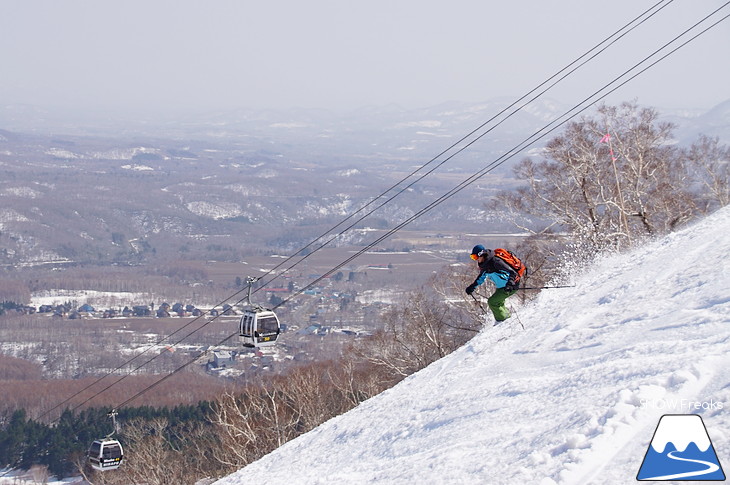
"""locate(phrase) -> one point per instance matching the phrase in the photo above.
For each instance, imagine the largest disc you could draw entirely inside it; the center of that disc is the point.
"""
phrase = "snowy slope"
(573, 399)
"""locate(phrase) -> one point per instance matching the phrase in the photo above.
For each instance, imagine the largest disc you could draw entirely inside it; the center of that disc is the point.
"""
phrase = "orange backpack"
(512, 260)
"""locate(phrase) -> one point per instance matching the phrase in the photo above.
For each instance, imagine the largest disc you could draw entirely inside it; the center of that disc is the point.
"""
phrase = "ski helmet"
(476, 250)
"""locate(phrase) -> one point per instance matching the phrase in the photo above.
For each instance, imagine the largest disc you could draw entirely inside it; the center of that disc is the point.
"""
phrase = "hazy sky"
(199, 55)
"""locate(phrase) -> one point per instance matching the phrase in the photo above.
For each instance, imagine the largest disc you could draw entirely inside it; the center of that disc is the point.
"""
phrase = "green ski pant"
(496, 304)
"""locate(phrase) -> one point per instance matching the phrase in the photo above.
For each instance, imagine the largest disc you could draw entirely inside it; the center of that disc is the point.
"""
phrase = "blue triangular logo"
(681, 450)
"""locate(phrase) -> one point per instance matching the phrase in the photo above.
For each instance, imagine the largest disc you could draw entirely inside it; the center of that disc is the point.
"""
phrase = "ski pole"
(545, 287)
(479, 303)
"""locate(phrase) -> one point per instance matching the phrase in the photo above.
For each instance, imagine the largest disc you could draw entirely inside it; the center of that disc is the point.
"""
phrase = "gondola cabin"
(106, 454)
(259, 328)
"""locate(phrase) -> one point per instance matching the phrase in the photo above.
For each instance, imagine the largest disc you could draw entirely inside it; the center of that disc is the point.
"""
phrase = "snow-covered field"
(573, 399)
(103, 299)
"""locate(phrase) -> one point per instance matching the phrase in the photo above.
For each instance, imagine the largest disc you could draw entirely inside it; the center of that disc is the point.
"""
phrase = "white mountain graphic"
(680, 429)
(680, 449)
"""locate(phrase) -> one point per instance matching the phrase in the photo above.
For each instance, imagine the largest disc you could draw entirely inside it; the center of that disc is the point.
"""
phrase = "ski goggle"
(474, 257)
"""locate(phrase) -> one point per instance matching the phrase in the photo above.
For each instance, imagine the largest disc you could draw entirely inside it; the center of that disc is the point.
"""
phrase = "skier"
(505, 277)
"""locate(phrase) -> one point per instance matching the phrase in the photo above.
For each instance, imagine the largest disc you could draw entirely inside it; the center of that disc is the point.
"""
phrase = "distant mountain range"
(369, 131)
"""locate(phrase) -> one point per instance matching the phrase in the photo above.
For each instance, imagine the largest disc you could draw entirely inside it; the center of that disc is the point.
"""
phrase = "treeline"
(186, 443)
(61, 447)
(170, 280)
(15, 369)
(13, 291)
(37, 395)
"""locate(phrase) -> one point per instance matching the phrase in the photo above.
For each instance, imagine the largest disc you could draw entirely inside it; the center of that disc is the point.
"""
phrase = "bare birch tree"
(425, 326)
(617, 177)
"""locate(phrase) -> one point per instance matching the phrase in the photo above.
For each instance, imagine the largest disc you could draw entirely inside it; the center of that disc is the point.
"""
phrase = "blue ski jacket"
(496, 269)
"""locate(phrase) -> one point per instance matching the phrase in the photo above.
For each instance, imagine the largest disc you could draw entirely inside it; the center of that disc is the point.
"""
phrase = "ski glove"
(511, 286)
(470, 289)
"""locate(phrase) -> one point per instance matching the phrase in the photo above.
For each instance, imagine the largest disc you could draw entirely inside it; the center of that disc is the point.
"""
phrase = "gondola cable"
(449, 194)
(536, 136)
(597, 49)
(464, 138)
(458, 188)
(527, 142)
